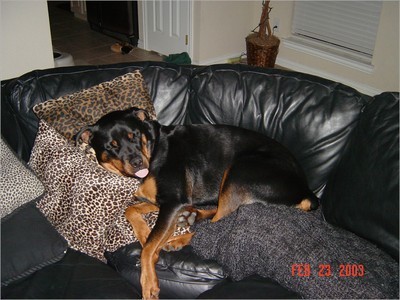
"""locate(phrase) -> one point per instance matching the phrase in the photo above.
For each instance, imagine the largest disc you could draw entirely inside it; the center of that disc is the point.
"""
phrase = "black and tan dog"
(183, 168)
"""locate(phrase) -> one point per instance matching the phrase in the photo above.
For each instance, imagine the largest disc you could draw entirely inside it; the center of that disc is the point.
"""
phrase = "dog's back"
(206, 154)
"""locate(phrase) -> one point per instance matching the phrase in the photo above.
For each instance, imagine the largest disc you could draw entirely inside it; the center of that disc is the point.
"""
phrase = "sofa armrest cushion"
(362, 195)
(28, 243)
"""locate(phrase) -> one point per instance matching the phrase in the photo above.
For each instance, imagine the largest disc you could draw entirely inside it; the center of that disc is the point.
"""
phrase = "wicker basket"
(262, 48)
(262, 52)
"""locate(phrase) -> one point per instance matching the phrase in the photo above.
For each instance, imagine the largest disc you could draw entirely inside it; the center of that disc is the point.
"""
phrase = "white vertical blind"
(348, 24)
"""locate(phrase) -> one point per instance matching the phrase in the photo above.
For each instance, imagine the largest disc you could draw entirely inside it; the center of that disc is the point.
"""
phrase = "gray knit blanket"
(300, 251)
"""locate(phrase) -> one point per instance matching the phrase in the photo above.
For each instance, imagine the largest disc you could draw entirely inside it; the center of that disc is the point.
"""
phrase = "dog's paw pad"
(192, 218)
(170, 248)
(187, 218)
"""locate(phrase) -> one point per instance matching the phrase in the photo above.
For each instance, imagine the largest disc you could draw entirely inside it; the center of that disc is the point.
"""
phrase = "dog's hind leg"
(261, 178)
(231, 196)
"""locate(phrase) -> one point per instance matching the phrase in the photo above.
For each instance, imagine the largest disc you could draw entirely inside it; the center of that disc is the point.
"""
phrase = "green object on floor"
(179, 59)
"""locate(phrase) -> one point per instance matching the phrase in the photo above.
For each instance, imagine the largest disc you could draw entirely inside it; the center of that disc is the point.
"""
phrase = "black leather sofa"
(346, 141)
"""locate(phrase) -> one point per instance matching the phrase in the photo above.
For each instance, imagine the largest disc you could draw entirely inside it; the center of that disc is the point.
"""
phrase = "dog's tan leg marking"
(305, 205)
(222, 200)
(148, 189)
(134, 215)
(205, 213)
(161, 233)
(230, 198)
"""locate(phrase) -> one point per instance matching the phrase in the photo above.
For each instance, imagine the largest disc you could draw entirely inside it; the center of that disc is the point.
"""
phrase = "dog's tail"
(311, 202)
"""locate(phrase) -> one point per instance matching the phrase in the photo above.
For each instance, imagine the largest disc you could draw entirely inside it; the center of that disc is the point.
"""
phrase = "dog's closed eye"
(114, 144)
(130, 136)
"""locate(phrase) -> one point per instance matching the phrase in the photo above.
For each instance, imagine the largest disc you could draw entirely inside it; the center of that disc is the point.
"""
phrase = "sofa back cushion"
(167, 86)
(363, 193)
(311, 116)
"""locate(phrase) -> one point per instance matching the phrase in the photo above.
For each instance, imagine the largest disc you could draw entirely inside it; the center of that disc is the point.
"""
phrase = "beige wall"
(220, 29)
(385, 72)
(25, 37)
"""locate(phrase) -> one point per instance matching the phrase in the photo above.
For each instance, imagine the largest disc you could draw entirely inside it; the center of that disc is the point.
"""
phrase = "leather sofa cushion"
(363, 193)
(76, 276)
(181, 274)
(28, 243)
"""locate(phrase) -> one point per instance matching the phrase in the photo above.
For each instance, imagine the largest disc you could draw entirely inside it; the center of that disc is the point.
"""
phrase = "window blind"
(349, 24)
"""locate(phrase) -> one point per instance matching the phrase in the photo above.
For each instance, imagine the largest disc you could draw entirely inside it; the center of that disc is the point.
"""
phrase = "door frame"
(145, 26)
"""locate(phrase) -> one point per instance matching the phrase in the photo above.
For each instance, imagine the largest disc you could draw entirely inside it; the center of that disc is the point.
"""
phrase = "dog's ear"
(85, 134)
(141, 114)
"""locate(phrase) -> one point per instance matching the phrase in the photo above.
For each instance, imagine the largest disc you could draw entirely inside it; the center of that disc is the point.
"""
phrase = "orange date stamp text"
(326, 270)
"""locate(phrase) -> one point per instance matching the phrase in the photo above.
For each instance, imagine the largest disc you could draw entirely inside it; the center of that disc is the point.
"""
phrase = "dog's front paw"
(186, 218)
(152, 294)
(150, 289)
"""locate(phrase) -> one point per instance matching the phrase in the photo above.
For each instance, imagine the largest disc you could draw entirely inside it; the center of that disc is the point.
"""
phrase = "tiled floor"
(87, 47)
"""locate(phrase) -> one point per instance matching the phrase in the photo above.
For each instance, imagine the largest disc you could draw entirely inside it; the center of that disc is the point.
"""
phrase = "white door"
(167, 26)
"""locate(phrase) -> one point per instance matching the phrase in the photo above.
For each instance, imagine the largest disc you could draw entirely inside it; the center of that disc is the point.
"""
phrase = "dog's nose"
(137, 162)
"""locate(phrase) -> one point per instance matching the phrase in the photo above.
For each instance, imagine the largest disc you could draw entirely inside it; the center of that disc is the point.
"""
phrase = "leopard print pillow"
(69, 113)
(18, 184)
(85, 202)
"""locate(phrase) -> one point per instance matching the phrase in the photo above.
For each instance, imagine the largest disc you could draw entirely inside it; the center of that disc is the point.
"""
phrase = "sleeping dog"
(184, 168)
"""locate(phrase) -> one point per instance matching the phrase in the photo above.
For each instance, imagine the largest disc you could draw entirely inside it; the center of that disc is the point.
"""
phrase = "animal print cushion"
(69, 113)
(85, 202)
(18, 184)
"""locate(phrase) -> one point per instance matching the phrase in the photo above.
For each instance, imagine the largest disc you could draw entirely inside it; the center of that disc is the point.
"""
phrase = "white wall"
(25, 37)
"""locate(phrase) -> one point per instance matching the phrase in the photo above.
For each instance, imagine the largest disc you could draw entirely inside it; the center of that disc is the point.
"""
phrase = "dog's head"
(123, 142)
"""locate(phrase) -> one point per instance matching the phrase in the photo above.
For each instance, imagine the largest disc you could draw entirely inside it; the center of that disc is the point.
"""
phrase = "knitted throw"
(300, 251)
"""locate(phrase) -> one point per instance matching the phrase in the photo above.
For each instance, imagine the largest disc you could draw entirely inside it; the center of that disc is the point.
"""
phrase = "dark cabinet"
(116, 18)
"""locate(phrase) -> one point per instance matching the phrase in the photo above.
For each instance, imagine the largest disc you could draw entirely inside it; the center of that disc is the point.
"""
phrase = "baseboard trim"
(217, 60)
(295, 66)
(140, 44)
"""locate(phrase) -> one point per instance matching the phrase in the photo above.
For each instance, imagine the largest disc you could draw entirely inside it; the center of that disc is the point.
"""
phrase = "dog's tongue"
(142, 173)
